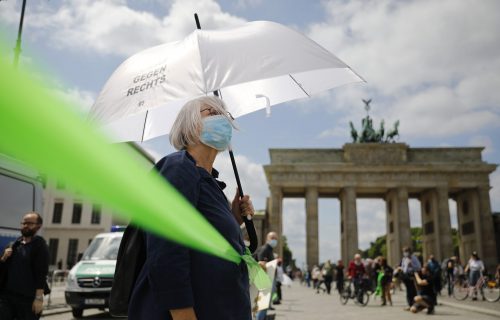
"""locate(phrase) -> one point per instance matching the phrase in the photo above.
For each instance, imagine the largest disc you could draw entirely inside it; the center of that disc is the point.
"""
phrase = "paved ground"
(304, 304)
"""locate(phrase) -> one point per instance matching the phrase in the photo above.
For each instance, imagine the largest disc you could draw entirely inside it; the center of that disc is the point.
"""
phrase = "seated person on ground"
(426, 298)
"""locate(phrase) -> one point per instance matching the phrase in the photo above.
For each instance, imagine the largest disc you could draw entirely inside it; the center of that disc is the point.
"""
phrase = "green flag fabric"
(39, 128)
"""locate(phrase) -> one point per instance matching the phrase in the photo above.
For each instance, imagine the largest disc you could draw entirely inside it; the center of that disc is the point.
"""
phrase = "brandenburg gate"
(393, 172)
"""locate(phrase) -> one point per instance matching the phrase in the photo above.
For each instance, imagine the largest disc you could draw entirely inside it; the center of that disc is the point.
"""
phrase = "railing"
(57, 282)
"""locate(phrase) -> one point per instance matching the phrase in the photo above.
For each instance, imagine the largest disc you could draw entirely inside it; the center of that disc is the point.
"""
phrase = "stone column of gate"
(486, 232)
(399, 235)
(349, 224)
(276, 216)
(312, 241)
(443, 225)
(404, 217)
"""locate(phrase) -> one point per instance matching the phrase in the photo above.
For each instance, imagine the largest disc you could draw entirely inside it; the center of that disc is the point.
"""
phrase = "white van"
(21, 191)
(90, 280)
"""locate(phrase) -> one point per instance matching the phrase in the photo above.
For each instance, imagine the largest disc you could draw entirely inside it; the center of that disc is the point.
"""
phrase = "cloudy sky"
(434, 65)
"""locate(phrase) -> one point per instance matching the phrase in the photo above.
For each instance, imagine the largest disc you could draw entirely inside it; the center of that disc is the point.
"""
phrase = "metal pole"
(17, 49)
(252, 234)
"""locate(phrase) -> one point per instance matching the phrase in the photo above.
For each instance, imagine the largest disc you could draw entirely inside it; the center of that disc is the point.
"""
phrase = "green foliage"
(379, 247)
(287, 254)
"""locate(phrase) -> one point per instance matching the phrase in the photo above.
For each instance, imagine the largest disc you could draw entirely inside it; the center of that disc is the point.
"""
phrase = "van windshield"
(103, 249)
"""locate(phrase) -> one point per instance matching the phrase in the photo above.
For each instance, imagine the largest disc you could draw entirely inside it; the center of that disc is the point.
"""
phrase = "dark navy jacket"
(174, 276)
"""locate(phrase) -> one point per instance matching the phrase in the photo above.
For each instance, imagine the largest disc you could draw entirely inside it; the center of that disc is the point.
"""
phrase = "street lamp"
(17, 49)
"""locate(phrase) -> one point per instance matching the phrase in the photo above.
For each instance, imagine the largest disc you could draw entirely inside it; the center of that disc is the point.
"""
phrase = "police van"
(89, 281)
(21, 191)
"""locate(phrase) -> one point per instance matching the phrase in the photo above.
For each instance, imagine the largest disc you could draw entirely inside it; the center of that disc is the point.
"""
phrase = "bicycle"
(360, 296)
(489, 289)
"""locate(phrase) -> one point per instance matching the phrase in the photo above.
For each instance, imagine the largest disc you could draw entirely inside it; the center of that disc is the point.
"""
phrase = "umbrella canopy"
(258, 60)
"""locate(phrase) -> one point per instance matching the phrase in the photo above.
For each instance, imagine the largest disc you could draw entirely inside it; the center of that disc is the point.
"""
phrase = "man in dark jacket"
(26, 262)
(265, 253)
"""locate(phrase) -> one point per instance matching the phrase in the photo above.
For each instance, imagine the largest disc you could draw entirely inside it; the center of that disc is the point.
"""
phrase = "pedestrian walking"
(339, 272)
(450, 274)
(408, 266)
(25, 264)
(435, 270)
(315, 275)
(386, 281)
(327, 272)
(177, 282)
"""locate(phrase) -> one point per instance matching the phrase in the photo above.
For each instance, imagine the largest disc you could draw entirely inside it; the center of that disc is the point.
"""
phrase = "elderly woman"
(177, 282)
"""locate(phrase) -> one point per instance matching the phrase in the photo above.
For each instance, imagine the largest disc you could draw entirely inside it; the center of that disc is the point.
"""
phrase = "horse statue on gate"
(393, 133)
(368, 134)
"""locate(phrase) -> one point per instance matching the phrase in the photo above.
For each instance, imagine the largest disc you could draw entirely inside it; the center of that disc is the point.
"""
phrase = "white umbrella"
(253, 66)
(256, 65)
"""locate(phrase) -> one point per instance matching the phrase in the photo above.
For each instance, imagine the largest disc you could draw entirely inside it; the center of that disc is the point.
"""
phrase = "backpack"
(130, 260)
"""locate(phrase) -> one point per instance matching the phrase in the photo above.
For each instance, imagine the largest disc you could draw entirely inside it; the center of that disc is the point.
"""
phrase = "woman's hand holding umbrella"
(242, 207)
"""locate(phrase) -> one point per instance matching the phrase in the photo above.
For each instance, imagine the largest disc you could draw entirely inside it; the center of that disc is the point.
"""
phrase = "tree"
(379, 247)
(287, 255)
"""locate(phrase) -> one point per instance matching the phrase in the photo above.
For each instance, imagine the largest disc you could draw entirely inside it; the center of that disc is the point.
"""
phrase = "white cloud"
(243, 4)
(482, 141)
(111, 27)
(80, 99)
(253, 180)
(371, 221)
(434, 64)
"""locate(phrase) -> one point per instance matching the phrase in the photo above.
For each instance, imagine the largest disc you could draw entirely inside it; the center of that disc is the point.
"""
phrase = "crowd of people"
(423, 280)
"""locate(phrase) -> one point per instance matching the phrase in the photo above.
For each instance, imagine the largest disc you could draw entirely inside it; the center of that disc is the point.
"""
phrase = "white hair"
(187, 126)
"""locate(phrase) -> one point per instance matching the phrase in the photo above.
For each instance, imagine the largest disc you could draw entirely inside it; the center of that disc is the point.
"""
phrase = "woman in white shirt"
(475, 267)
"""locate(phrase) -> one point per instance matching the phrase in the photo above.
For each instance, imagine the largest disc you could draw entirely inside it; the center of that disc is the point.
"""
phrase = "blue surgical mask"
(217, 132)
(273, 243)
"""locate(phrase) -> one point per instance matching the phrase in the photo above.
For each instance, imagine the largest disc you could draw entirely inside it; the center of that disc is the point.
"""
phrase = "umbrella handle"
(252, 234)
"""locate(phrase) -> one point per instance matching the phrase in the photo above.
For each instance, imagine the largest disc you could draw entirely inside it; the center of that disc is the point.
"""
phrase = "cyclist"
(356, 272)
(475, 267)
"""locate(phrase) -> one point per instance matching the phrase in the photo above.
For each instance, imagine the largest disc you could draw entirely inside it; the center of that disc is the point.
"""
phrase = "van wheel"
(77, 313)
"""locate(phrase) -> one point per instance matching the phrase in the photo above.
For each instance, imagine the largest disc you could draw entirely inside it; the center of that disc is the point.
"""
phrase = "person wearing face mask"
(356, 273)
(265, 252)
(407, 267)
(177, 282)
(26, 263)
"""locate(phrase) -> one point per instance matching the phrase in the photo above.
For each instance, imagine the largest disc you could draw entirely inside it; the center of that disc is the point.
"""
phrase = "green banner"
(39, 128)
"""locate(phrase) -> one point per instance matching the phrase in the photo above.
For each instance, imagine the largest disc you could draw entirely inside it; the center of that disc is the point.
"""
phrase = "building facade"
(70, 223)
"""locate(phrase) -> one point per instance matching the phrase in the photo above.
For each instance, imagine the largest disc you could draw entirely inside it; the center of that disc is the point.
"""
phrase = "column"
(312, 241)
(467, 224)
(404, 217)
(349, 224)
(487, 232)
(430, 229)
(398, 222)
(276, 216)
(444, 224)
